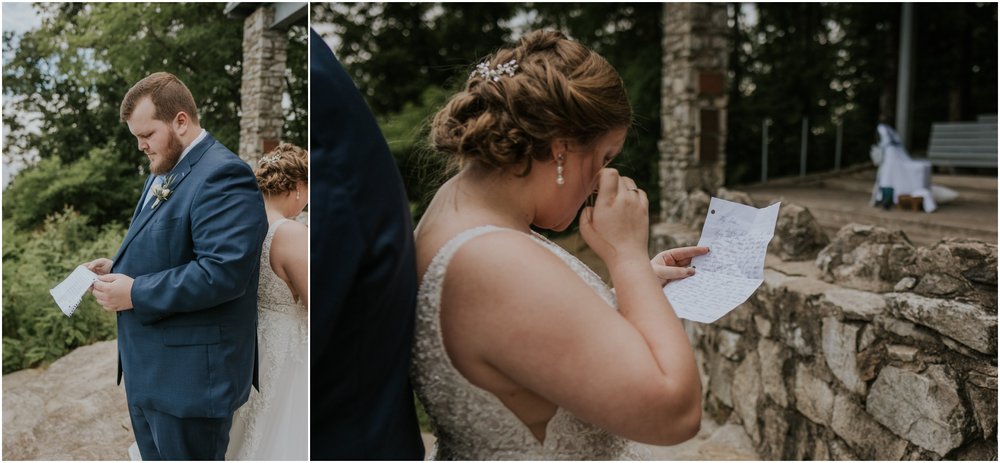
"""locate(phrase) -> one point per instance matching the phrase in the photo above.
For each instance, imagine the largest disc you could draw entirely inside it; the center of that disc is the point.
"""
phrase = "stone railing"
(872, 349)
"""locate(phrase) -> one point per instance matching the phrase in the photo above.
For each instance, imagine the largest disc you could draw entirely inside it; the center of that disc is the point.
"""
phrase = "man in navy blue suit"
(184, 281)
(364, 282)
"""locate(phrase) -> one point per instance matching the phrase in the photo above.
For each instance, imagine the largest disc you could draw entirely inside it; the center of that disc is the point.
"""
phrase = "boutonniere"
(162, 191)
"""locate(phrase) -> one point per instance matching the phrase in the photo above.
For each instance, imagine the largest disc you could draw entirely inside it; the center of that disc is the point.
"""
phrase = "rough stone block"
(775, 432)
(854, 304)
(922, 408)
(763, 325)
(906, 284)
(902, 352)
(957, 268)
(746, 393)
(866, 257)
(797, 234)
(772, 359)
(984, 408)
(968, 324)
(739, 319)
(813, 397)
(856, 427)
(792, 336)
(839, 350)
(68, 411)
(720, 379)
(840, 451)
(906, 329)
(727, 343)
(868, 336)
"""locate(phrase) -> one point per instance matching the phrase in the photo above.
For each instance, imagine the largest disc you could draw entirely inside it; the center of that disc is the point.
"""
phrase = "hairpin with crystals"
(484, 71)
(269, 159)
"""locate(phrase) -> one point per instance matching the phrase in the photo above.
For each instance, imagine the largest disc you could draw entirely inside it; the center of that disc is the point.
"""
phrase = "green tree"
(74, 69)
(394, 51)
(98, 184)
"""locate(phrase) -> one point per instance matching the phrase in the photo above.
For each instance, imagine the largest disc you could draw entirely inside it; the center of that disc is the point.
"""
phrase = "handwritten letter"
(69, 293)
(737, 236)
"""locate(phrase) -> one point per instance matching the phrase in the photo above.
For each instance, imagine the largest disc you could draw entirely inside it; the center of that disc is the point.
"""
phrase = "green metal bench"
(964, 144)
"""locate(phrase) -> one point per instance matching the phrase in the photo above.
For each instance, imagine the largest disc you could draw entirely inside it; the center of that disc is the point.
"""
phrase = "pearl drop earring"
(560, 180)
(298, 195)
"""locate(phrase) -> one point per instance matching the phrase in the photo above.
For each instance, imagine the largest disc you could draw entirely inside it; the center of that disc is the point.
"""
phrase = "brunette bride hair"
(282, 168)
(559, 89)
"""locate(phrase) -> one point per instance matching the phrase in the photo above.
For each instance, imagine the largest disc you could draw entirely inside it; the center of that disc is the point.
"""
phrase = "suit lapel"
(179, 173)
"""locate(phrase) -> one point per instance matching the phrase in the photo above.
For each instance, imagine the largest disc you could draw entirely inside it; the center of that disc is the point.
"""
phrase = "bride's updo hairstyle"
(559, 89)
(281, 169)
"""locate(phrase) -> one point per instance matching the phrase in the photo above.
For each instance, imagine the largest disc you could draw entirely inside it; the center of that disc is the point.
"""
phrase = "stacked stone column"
(264, 60)
(693, 113)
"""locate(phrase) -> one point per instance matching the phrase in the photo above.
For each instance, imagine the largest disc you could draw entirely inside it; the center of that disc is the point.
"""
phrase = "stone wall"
(693, 114)
(872, 349)
(264, 58)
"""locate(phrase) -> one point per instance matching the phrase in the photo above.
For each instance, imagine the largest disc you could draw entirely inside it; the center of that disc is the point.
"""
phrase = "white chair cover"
(898, 171)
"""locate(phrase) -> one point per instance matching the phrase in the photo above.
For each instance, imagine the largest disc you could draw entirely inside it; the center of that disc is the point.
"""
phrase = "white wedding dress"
(273, 424)
(472, 423)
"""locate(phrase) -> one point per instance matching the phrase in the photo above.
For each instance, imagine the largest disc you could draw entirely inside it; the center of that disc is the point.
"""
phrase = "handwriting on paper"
(737, 236)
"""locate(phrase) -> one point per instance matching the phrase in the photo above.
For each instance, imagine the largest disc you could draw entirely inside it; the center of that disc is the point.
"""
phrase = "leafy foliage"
(35, 331)
(96, 185)
(71, 73)
(75, 68)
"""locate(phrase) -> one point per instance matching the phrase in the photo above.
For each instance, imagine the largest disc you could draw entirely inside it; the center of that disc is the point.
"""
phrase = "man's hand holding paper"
(114, 292)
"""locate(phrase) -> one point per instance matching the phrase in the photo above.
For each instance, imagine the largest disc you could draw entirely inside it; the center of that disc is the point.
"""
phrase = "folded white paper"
(737, 237)
(69, 293)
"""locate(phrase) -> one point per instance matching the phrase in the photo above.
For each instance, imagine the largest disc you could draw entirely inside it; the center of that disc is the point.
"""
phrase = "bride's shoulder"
(290, 230)
(289, 237)
(504, 256)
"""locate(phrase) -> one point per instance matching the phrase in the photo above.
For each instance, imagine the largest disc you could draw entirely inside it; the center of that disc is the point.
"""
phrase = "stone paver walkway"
(713, 443)
(836, 201)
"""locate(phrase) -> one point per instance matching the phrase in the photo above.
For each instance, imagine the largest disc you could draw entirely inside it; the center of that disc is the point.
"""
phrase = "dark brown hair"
(282, 168)
(170, 96)
(561, 89)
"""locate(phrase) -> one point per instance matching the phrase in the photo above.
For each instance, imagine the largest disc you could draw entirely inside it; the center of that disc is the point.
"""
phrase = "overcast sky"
(17, 17)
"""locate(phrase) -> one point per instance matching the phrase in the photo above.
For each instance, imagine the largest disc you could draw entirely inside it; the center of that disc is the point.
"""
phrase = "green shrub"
(35, 331)
(99, 186)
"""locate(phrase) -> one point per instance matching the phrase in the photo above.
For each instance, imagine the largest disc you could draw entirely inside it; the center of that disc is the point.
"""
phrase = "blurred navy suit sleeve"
(362, 279)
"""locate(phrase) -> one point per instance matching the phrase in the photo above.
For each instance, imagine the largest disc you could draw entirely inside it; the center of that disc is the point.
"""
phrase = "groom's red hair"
(170, 96)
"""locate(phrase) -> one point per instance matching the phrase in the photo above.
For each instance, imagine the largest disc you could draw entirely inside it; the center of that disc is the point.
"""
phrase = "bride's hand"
(617, 226)
(673, 264)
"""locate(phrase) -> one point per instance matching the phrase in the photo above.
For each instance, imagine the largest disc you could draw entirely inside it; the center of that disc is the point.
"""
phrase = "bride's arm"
(529, 317)
(290, 258)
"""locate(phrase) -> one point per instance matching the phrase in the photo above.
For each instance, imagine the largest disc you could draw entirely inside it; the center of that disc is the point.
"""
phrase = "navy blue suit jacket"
(363, 280)
(188, 346)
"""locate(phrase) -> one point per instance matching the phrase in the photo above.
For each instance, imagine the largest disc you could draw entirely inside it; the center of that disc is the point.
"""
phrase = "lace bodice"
(273, 293)
(471, 422)
(272, 424)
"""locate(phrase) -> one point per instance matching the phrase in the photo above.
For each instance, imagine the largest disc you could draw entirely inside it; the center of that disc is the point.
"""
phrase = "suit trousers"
(161, 436)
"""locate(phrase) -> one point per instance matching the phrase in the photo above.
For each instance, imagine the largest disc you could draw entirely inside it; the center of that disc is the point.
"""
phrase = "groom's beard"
(171, 155)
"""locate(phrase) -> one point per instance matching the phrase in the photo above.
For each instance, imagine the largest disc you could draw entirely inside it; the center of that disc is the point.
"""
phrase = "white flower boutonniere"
(162, 191)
